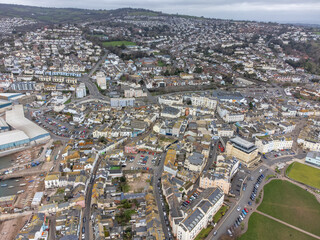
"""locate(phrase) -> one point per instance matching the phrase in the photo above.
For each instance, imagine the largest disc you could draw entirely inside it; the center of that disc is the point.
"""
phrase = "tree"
(198, 70)
(250, 105)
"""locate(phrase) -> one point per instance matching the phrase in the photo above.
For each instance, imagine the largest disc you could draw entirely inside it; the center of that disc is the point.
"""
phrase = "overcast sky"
(284, 11)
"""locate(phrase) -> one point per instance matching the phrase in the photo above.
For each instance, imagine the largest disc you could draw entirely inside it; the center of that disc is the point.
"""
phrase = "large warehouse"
(15, 118)
(24, 133)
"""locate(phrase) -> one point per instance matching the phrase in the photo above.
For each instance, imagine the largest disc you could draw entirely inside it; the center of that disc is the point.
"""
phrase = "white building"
(205, 102)
(81, 91)
(195, 162)
(201, 216)
(101, 80)
(170, 112)
(229, 116)
(129, 93)
(266, 145)
(37, 199)
(313, 158)
(51, 181)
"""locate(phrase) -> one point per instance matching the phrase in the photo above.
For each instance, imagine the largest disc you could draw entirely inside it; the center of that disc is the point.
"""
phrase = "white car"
(260, 171)
(238, 209)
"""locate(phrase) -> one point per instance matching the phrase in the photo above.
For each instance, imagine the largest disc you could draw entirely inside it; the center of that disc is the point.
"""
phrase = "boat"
(11, 187)
(21, 191)
(17, 180)
(4, 185)
(22, 184)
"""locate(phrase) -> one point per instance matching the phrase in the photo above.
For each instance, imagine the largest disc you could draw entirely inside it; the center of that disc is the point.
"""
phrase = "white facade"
(313, 158)
(229, 117)
(269, 145)
(101, 80)
(225, 132)
(81, 91)
(204, 102)
(134, 93)
(310, 145)
(51, 183)
(201, 216)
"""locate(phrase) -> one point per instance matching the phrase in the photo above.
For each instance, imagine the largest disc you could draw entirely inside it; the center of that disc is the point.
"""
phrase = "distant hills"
(76, 15)
(63, 15)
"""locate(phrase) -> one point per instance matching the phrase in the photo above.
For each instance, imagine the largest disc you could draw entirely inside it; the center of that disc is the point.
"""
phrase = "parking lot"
(238, 181)
(140, 161)
(276, 154)
(58, 125)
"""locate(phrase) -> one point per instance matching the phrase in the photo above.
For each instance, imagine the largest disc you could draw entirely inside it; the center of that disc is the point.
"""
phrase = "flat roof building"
(243, 150)
(313, 158)
(16, 119)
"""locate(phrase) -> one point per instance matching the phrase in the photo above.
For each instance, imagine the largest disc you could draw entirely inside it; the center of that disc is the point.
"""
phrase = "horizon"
(283, 13)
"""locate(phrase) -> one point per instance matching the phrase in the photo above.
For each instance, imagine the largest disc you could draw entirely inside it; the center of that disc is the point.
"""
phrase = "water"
(6, 162)
(5, 191)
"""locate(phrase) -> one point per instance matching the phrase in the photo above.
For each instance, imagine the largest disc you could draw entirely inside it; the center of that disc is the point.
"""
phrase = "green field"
(204, 233)
(264, 228)
(292, 204)
(118, 43)
(304, 174)
(115, 168)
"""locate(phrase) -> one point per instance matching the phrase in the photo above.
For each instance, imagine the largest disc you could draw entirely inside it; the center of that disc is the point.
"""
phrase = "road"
(93, 90)
(157, 174)
(52, 227)
(212, 155)
(211, 159)
(87, 208)
(232, 214)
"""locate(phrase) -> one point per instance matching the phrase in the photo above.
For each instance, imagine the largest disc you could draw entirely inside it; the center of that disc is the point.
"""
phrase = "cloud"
(267, 10)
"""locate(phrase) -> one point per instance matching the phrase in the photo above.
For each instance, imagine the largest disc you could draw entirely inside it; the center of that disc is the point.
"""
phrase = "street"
(232, 214)
(157, 174)
(87, 209)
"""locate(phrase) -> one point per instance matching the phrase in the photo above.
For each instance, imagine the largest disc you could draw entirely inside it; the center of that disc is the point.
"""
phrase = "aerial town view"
(119, 122)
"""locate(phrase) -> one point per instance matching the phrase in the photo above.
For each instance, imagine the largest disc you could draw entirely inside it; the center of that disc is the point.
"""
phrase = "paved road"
(87, 209)
(212, 155)
(157, 174)
(289, 225)
(211, 159)
(93, 90)
(52, 227)
(229, 219)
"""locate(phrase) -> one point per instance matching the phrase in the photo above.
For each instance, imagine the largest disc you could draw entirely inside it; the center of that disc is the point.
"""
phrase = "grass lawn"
(291, 204)
(68, 101)
(118, 43)
(270, 176)
(304, 174)
(264, 228)
(204, 233)
(220, 213)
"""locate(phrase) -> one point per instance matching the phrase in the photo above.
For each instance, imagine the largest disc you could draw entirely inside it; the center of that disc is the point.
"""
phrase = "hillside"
(62, 15)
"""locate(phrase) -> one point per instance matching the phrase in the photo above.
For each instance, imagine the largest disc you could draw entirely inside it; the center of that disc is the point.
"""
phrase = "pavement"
(87, 208)
(242, 201)
(157, 174)
(52, 227)
(93, 90)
